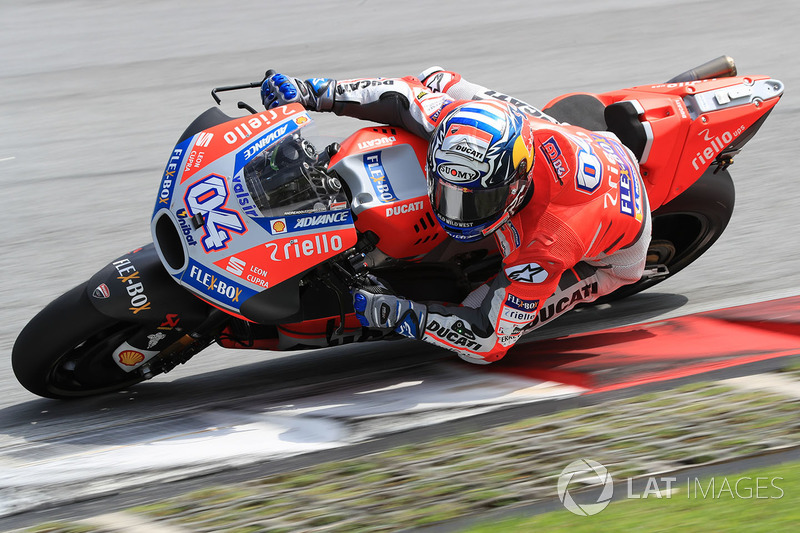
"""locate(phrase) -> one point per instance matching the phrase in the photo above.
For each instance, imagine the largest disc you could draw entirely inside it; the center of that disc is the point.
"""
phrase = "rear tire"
(65, 351)
(685, 228)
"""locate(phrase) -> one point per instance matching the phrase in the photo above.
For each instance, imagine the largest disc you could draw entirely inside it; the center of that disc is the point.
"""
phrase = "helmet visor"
(461, 204)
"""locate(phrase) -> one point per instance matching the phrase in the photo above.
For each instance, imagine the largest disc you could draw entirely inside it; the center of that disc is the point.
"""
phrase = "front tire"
(65, 351)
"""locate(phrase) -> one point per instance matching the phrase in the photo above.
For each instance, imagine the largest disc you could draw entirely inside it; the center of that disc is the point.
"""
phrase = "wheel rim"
(88, 368)
(660, 252)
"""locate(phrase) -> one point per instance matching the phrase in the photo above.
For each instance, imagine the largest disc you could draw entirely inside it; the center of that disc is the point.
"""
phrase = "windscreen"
(289, 178)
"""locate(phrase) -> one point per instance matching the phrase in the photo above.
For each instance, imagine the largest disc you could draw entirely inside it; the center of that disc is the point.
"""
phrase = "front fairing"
(211, 235)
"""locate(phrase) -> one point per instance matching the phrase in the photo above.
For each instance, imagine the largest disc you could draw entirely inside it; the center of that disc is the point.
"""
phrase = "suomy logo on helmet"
(456, 173)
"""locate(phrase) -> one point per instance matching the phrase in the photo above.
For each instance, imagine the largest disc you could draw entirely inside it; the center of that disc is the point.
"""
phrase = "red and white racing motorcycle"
(260, 229)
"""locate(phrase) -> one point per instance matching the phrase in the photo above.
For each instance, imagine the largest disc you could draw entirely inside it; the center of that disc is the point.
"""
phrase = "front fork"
(174, 324)
(152, 350)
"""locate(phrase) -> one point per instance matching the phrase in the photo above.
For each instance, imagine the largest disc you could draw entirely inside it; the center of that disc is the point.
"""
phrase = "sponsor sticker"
(407, 207)
(312, 221)
(377, 175)
(527, 273)
(368, 144)
(467, 140)
(269, 137)
(129, 277)
(171, 321)
(215, 286)
(278, 226)
(131, 357)
(554, 309)
(186, 229)
(515, 315)
(128, 357)
(154, 338)
(268, 264)
(554, 155)
(456, 173)
(169, 179)
(102, 292)
(508, 238)
(515, 302)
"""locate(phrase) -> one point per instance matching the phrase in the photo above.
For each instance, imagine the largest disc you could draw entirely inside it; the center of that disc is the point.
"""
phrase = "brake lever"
(216, 90)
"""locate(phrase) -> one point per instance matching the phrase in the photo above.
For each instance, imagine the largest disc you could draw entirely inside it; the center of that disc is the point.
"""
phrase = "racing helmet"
(479, 168)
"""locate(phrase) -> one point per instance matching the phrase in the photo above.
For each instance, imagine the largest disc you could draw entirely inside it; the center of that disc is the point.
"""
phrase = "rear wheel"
(685, 228)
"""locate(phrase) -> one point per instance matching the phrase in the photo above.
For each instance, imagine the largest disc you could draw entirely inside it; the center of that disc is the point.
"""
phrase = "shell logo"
(279, 226)
(300, 120)
(131, 357)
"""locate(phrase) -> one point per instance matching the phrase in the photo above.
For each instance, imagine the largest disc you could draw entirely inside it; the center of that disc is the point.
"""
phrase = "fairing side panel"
(136, 288)
(693, 125)
(384, 168)
(227, 252)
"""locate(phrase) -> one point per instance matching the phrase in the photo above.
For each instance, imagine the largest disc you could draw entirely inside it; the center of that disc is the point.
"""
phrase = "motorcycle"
(261, 228)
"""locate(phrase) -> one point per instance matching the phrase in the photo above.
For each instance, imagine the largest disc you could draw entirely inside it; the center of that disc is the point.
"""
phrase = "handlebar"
(250, 85)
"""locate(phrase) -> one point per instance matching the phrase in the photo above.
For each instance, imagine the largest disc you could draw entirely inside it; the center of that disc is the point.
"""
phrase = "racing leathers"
(583, 233)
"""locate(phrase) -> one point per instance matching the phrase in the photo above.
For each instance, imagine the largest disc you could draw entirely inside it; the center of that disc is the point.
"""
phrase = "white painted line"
(393, 387)
(129, 523)
(7, 159)
(766, 382)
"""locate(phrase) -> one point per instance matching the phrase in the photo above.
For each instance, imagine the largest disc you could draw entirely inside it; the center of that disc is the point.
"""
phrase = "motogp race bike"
(261, 229)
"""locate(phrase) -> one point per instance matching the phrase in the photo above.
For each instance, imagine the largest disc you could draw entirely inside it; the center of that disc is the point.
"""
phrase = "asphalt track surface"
(95, 95)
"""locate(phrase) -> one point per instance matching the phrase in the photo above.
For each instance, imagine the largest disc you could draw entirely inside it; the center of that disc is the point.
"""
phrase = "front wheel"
(65, 351)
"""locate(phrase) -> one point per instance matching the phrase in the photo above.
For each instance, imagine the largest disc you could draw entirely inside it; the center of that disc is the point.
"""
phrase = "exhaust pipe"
(721, 67)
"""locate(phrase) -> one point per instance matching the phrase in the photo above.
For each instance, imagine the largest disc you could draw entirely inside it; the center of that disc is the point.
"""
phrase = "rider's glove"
(376, 308)
(316, 94)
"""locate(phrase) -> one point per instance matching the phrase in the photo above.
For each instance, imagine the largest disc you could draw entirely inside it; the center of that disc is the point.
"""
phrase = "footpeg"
(655, 272)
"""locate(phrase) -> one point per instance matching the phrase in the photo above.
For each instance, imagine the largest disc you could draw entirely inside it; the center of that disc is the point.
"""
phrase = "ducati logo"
(101, 292)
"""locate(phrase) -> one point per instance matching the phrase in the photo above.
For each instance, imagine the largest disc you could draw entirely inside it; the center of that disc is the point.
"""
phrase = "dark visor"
(468, 205)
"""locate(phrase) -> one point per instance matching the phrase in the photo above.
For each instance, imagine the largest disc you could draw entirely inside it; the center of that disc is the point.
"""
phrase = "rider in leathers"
(577, 229)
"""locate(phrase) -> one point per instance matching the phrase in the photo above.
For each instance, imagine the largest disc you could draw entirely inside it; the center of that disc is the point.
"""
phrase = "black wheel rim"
(88, 368)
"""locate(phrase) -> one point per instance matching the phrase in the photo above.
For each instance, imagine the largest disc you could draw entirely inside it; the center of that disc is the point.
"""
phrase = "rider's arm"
(494, 316)
(402, 102)
(451, 83)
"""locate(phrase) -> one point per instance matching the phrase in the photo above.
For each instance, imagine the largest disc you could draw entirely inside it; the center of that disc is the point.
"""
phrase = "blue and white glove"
(315, 94)
(388, 312)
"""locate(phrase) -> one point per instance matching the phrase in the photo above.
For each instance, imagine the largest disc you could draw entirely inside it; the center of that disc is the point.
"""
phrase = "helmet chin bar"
(491, 229)
(518, 200)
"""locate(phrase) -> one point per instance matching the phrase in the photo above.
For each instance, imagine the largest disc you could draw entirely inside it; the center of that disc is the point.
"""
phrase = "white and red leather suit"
(583, 233)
